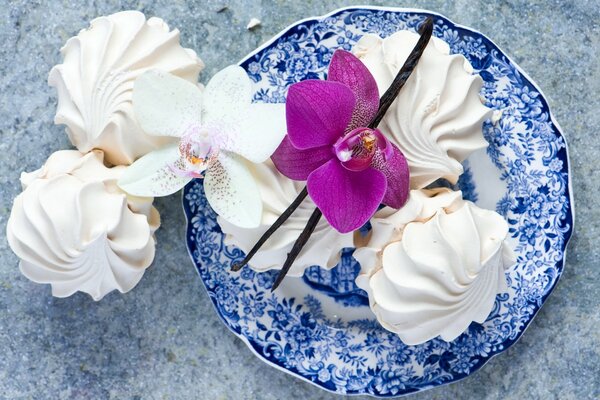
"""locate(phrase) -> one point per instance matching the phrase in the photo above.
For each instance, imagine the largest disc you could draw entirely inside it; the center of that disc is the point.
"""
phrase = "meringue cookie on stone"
(437, 118)
(277, 193)
(72, 227)
(440, 274)
(95, 82)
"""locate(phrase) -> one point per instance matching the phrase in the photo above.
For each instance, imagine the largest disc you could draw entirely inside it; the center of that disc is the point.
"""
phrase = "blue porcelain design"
(338, 282)
(319, 327)
(466, 183)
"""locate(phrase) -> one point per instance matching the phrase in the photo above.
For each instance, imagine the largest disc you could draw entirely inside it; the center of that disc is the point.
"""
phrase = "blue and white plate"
(319, 327)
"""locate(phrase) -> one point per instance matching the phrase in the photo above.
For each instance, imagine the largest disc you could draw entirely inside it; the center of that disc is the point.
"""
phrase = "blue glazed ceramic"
(319, 327)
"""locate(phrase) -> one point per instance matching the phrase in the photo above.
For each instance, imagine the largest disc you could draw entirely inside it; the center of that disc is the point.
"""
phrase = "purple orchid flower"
(350, 168)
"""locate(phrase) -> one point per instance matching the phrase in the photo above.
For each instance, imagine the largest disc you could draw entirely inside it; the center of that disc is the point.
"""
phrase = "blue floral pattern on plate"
(319, 327)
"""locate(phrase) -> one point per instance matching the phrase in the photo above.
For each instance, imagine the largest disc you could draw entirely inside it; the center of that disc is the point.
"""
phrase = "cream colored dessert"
(277, 193)
(95, 82)
(436, 274)
(73, 228)
(437, 118)
(388, 224)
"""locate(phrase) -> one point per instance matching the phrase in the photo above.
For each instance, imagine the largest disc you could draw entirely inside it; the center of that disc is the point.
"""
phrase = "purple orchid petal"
(297, 164)
(347, 198)
(318, 112)
(346, 68)
(393, 164)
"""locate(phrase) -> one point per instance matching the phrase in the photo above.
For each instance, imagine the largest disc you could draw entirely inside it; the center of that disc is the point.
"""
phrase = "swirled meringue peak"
(73, 228)
(437, 118)
(439, 274)
(388, 224)
(95, 82)
(277, 192)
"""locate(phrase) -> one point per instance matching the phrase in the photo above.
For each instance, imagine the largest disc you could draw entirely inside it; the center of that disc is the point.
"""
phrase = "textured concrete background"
(163, 340)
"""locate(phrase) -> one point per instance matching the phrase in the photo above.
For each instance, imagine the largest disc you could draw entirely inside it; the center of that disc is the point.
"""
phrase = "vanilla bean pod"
(390, 95)
(298, 245)
(426, 31)
(385, 102)
(278, 222)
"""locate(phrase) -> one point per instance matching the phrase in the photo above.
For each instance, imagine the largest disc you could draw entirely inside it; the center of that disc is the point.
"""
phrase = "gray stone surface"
(163, 340)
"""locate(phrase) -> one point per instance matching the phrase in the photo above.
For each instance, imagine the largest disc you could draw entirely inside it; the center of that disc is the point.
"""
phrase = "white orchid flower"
(218, 128)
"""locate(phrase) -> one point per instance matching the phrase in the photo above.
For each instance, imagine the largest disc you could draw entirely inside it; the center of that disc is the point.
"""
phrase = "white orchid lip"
(218, 127)
(198, 153)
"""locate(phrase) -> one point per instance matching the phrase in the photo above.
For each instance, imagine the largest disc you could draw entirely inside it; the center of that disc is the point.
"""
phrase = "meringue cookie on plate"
(437, 118)
(72, 227)
(277, 193)
(440, 274)
(95, 82)
(388, 224)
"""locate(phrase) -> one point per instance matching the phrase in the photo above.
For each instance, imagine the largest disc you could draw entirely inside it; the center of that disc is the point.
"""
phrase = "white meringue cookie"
(439, 274)
(277, 193)
(388, 224)
(437, 118)
(72, 227)
(95, 82)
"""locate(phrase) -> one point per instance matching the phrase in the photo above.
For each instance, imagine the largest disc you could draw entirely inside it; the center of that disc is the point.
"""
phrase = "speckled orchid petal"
(348, 199)
(232, 192)
(318, 112)
(166, 105)
(297, 164)
(254, 133)
(261, 131)
(346, 68)
(251, 130)
(231, 87)
(154, 174)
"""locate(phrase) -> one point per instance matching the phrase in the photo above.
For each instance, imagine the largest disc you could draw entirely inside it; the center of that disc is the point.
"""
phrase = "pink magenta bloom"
(350, 169)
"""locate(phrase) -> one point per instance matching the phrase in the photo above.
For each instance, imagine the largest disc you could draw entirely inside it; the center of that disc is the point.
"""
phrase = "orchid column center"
(197, 151)
(357, 148)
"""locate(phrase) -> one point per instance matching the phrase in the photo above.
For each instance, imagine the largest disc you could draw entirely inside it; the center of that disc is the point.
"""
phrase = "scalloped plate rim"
(570, 213)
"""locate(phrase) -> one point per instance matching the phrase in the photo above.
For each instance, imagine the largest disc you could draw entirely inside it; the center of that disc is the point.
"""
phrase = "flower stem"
(426, 30)
(298, 245)
(278, 222)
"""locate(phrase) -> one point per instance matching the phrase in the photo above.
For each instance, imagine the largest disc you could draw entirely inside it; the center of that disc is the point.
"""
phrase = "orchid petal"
(228, 97)
(153, 174)
(166, 105)
(395, 169)
(348, 199)
(262, 132)
(346, 68)
(232, 191)
(230, 86)
(251, 130)
(318, 112)
(256, 134)
(298, 164)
